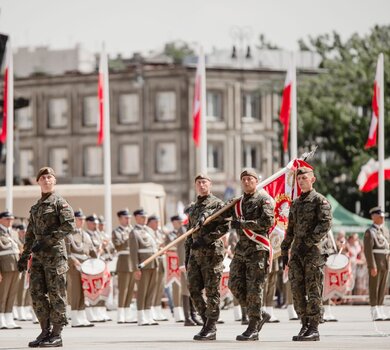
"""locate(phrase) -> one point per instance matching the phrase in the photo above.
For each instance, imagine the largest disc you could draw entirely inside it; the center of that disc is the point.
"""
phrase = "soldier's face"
(7, 222)
(378, 219)
(305, 181)
(47, 183)
(249, 184)
(80, 222)
(124, 220)
(203, 187)
(153, 224)
(140, 219)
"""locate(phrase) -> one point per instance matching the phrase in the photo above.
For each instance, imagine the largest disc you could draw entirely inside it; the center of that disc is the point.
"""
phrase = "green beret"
(304, 170)
(45, 171)
(249, 172)
(202, 176)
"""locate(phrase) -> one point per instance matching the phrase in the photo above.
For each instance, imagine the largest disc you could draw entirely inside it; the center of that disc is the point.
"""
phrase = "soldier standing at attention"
(253, 217)
(204, 257)
(377, 252)
(51, 220)
(309, 221)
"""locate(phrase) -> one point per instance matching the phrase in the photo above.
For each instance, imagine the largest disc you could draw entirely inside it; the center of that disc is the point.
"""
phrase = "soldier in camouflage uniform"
(252, 216)
(204, 257)
(310, 219)
(51, 220)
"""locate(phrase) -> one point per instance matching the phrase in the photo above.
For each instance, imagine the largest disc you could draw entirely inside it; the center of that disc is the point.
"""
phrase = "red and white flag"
(102, 95)
(368, 176)
(197, 112)
(8, 75)
(285, 108)
(371, 140)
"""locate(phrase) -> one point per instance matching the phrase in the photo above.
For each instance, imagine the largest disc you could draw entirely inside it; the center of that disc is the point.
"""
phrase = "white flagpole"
(106, 145)
(203, 119)
(9, 176)
(381, 136)
(294, 130)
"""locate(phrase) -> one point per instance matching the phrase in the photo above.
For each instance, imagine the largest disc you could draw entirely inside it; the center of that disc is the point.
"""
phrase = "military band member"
(377, 252)
(9, 275)
(142, 246)
(80, 249)
(310, 219)
(124, 271)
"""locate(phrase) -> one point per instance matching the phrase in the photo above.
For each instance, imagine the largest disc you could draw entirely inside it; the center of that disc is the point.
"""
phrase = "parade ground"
(354, 330)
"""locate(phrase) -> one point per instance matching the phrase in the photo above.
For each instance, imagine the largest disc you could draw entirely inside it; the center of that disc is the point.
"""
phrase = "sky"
(128, 26)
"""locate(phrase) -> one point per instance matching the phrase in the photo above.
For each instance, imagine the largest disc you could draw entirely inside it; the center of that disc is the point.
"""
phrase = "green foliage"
(178, 51)
(334, 110)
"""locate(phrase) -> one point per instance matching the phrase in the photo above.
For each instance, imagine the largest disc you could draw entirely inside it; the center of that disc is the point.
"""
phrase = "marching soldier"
(124, 271)
(79, 248)
(9, 275)
(310, 219)
(377, 252)
(142, 246)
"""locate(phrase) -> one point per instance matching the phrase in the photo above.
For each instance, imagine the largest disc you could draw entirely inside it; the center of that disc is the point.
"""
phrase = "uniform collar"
(307, 195)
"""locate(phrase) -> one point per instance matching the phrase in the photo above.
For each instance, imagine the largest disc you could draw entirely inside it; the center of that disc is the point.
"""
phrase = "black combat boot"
(45, 326)
(304, 328)
(188, 322)
(194, 317)
(265, 317)
(251, 333)
(312, 332)
(54, 339)
(208, 332)
(244, 319)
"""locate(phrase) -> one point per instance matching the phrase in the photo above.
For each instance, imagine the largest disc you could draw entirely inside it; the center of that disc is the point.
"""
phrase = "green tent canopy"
(344, 220)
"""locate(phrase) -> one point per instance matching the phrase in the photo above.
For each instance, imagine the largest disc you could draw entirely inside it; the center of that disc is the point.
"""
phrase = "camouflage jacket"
(309, 221)
(211, 233)
(51, 220)
(257, 216)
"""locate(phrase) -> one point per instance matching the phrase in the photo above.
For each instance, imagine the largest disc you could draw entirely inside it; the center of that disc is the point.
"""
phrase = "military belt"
(79, 256)
(123, 252)
(9, 252)
(146, 250)
(381, 251)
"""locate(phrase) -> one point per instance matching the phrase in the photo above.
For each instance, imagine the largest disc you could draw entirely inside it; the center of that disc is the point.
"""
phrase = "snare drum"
(337, 275)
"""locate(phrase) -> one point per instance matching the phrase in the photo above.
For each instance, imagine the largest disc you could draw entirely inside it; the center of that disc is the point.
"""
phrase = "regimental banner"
(96, 286)
(338, 276)
(173, 268)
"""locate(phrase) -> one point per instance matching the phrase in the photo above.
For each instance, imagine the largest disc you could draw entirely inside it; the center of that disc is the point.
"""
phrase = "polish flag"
(7, 93)
(368, 176)
(285, 108)
(103, 70)
(371, 140)
(197, 104)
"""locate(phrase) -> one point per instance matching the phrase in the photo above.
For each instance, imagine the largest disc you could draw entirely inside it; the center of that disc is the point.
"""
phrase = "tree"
(178, 51)
(334, 110)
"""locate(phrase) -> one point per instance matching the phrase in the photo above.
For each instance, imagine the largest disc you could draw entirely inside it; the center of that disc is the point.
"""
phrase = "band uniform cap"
(202, 177)
(153, 217)
(45, 171)
(123, 212)
(6, 215)
(304, 170)
(140, 212)
(375, 210)
(92, 218)
(101, 219)
(249, 172)
(176, 218)
(79, 214)
(21, 227)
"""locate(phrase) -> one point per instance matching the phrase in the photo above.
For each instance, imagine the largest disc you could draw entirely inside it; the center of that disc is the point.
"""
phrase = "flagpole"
(9, 176)
(107, 145)
(294, 129)
(203, 119)
(381, 137)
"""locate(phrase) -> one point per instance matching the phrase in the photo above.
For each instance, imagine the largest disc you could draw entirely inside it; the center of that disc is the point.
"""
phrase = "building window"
(90, 111)
(93, 161)
(251, 156)
(214, 105)
(58, 113)
(215, 157)
(129, 160)
(26, 166)
(24, 118)
(128, 108)
(251, 105)
(266, 105)
(166, 106)
(59, 160)
(166, 161)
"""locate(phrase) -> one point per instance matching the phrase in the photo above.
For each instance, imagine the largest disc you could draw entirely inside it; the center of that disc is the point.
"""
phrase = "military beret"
(79, 214)
(140, 212)
(375, 210)
(92, 218)
(123, 212)
(249, 172)
(153, 217)
(45, 171)
(6, 215)
(304, 170)
(202, 176)
(176, 218)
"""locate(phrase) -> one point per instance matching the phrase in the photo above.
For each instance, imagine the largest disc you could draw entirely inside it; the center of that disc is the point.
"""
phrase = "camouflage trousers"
(48, 290)
(248, 274)
(205, 272)
(306, 274)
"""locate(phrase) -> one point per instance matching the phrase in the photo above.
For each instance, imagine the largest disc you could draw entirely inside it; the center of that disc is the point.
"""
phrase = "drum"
(337, 276)
(96, 280)
(276, 238)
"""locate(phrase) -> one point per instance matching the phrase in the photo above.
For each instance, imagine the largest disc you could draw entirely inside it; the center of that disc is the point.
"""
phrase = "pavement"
(354, 330)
